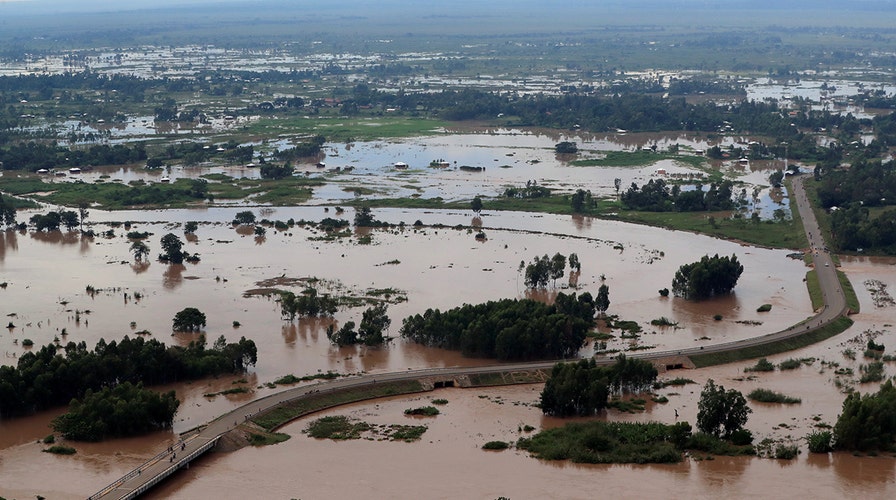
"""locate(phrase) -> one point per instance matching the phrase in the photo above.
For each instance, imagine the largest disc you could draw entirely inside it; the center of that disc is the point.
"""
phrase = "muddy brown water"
(437, 268)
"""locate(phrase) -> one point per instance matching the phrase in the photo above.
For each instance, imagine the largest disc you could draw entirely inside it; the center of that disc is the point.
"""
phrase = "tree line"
(657, 196)
(33, 156)
(507, 329)
(46, 378)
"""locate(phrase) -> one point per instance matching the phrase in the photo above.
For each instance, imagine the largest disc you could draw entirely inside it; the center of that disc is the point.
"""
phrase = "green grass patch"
(769, 396)
(815, 293)
(292, 379)
(837, 326)
(406, 433)
(288, 411)
(852, 300)
(338, 129)
(786, 234)
(637, 158)
(336, 427)
(439, 401)
(267, 438)
(610, 442)
(635, 405)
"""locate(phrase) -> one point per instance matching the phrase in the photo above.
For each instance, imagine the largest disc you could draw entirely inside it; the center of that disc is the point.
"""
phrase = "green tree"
(344, 336)
(868, 422)
(140, 250)
(374, 323)
(708, 277)
(244, 217)
(721, 412)
(172, 247)
(538, 272)
(83, 213)
(364, 217)
(7, 212)
(776, 177)
(558, 267)
(188, 319)
(190, 227)
(69, 219)
(574, 263)
(476, 205)
(602, 302)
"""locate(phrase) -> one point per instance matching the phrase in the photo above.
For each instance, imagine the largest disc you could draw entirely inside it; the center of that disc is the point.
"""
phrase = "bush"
(664, 292)
(717, 317)
(59, 449)
(495, 445)
(741, 437)
(790, 364)
(49, 439)
(820, 441)
(768, 396)
(439, 401)
(786, 451)
(426, 411)
(764, 308)
(872, 372)
(763, 365)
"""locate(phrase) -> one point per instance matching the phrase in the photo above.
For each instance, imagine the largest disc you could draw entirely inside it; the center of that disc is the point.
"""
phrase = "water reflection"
(140, 267)
(8, 239)
(173, 276)
(56, 237)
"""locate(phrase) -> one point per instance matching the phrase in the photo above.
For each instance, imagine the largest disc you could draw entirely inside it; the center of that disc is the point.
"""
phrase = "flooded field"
(46, 292)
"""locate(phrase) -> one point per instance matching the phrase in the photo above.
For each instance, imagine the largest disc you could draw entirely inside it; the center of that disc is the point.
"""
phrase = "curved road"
(166, 462)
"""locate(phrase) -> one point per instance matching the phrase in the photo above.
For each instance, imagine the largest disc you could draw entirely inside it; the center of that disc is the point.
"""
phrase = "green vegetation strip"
(837, 326)
(289, 411)
(814, 287)
(637, 159)
(852, 301)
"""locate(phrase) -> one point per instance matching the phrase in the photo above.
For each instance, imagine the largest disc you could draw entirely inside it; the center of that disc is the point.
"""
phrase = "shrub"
(664, 292)
(717, 317)
(820, 441)
(741, 437)
(768, 396)
(49, 439)
(764, 308)
(872, 372)
(426, 411)
(439, 401)
(790, 364)
(763, 365)
(786, 451)
(58, 449)
(27, 342)
(663, 321)
(495, 445)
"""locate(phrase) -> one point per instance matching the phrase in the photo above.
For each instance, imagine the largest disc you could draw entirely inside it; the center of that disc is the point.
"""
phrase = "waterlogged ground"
(47, 277)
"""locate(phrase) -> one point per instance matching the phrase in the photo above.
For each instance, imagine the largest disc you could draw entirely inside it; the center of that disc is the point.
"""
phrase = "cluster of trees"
(868, 422)
(46, 377)
(853, 227)
(581, 200)
(869, 182)
(544, 268)
(371, 331)
(531, 191)
(507, 329)
(566, 147)
(51, 221)
(273, 171)
(123, 410)
(305, 149)
(721, 413)
(708, 277)
(657, 196)
(307, 304)
(34, 156)
(582, 388)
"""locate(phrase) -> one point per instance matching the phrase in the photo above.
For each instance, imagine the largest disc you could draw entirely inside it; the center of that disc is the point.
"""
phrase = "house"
(74, 170)
(400, 165)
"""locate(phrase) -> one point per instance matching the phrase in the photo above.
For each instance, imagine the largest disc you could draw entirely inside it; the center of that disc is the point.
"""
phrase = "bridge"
(180, 455)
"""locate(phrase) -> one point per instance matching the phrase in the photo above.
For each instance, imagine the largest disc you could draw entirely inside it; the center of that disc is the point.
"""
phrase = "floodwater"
(47, 276)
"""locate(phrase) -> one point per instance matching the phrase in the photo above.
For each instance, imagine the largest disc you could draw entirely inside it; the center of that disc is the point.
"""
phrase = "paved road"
(163, 464)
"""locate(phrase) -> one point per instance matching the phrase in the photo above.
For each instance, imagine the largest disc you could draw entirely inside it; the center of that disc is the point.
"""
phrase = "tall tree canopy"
(708, 277)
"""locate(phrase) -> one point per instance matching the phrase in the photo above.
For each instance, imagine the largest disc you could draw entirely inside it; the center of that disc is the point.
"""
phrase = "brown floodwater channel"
(47, 278)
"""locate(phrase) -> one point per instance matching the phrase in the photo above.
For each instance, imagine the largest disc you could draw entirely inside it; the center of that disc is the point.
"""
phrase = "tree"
(566, 147)
(581, 200)
(538, 272)
(140, 250)
(83, 213)
(69, 219)
(191, 227)
(344, 336)
(708, 277)
(574, 263)
(244, 217)
(373, 323)
(582, 388)
(364, 217)
(617, 183)
(172, 247)
(558, 267)
(188, 319)
(476, 205)
(602, 302)
(776, 177)
(721, 412)
(867, 422)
